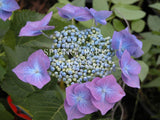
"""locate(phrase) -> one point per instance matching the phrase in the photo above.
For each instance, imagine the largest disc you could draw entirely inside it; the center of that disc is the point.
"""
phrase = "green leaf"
(17, 55)
(45, 105)
(153, 22)
(124, 1)
(128, 12)
(154, 39)
(2, 73)
(63, 1)
(4, 27)
(4, 114)
(80, 3)
(100, 5)
(138, 25)
(155, 6)
(118, 25)
(85, 24)
(144, 70)
(146, 46)
(10, 39)
(107, 30)
(153, 83)
(158, 60)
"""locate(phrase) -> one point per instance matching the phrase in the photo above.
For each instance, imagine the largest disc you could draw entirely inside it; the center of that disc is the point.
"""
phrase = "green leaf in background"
(153, 22)
(2, 73)
(129, 12)
(80, 3)
(146, 46)
(124, 1)
(45, 105)
(10, 39)
(158, 60)
(4, 27)
(118, 25)
(144, 70)
(100, 5)
(153, 83)
(107, 30)
(155, 6)
(154, 39)
(4, 114)
(138, 25)
(17, 55)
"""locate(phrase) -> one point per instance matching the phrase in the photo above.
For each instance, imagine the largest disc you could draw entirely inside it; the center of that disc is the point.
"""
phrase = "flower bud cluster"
(80, 55)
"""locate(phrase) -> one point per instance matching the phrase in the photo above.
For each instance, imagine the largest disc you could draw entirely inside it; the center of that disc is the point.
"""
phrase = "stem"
(45, 35)
(114, 110)
(124, 19)
(122, 110)
(93, 23)
(72, 21)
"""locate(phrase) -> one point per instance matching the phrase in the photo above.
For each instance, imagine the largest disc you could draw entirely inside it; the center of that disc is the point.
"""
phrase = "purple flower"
(106, 92)
(78, 101)
(130, 70)
(6, 8)
(78, 13)
(100, 16)
(124, 40)
(34, 71)
(36, 28)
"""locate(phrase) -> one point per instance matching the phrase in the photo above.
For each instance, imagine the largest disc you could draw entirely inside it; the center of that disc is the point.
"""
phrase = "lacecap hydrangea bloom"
(83, 60)
(7, 7)
(34, 71)
(35, 28)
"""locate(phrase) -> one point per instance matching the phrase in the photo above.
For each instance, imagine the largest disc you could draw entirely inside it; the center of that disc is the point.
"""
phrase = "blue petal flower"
(78, 101)
(73, 12)
(34, 71)
(130, 70)
(35, 28)
(106, 92)
(124, 40)
(6, 8)
(100, 16)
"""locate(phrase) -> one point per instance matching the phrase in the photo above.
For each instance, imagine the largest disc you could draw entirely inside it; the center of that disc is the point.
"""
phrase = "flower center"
(37, 71)
(80, 55)
(79, 99)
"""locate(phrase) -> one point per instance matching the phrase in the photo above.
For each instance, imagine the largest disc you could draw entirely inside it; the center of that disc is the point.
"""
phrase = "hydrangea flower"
(35, 28)
(100, 16)
(78, 13)
(124, 40)
(130, 70)
(106, 92)
(34, 71)
(6, 8)
(78, 101)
